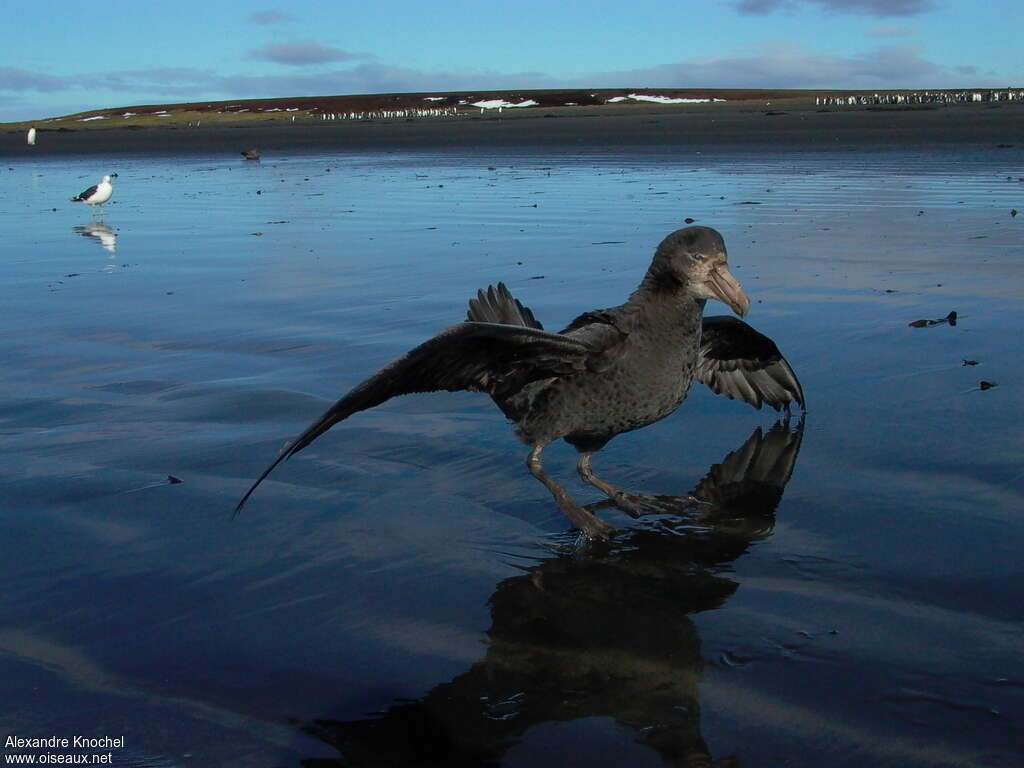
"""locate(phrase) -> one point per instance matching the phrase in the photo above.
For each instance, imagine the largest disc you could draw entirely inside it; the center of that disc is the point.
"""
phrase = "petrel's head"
(694, 259)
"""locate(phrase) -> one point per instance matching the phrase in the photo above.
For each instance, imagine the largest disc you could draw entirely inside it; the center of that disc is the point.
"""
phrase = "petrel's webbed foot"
(635, 505)
(591, 526)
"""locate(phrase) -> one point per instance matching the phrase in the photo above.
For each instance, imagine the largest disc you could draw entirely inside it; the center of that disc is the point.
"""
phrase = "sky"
(60, 57)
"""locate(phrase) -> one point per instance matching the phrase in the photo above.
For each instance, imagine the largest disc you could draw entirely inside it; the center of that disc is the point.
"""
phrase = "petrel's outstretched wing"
(483, 357)
(498, 305)
(742, 364)
(602, 331)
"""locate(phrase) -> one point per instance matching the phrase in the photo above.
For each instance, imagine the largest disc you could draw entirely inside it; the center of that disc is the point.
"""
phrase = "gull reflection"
(603, 635)
(101, 231)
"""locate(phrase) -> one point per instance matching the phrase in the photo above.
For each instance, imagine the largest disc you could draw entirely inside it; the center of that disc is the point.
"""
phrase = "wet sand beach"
(847, 593)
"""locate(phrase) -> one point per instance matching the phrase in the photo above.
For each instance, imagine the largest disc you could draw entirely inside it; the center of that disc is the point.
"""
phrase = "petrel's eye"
(697, 256)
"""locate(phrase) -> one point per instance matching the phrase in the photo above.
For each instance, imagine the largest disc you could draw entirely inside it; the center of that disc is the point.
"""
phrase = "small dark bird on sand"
(610, 371)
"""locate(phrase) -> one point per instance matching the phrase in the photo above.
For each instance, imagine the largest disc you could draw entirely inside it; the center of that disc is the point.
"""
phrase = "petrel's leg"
(592, 526)
(633, 504)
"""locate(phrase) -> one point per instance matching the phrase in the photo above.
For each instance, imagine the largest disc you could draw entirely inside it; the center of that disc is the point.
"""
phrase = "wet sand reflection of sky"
(369, 570)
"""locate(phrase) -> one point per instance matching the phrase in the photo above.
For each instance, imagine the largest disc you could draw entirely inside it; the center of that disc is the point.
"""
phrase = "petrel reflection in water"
(610, 371)
(610, 635)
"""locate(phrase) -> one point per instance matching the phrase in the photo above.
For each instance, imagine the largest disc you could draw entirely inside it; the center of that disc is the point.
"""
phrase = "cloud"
(272, 16)
(781, 64)
(303, 53)
(881, 8)
(172, 77)
(374, 77)
(760, 7)
(770, 65)
(789, 65)
(190, 84)
(163, 80)
(890, 31)
(14, 79)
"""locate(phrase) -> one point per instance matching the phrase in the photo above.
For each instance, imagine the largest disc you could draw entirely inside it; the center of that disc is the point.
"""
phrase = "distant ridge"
(548, 99)
(447, 103)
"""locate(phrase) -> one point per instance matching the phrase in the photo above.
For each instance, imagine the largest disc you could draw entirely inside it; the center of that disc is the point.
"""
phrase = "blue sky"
(60, 57)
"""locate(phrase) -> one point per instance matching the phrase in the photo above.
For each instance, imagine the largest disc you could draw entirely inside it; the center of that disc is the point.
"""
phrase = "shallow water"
(866, 610)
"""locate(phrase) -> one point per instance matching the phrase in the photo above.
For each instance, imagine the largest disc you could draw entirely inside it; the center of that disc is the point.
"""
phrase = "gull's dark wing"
(482, 357)
(85, 195)
(742, 364)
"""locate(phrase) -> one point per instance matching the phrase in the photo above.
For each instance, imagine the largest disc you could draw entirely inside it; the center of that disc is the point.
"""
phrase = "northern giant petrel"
(610, 371)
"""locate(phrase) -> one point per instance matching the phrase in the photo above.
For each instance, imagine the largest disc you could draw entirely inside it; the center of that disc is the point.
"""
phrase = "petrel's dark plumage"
(608, 372)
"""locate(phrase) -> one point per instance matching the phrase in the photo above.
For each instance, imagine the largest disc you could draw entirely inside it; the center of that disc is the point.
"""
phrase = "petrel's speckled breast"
(646, 381)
